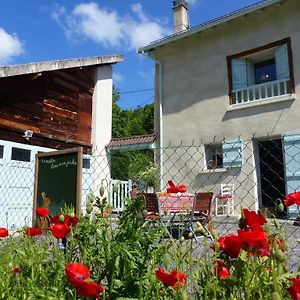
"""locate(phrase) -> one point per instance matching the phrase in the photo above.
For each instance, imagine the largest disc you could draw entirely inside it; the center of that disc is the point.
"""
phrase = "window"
(86, 163)
(229, 154)
(214, 156)
(261, 73)
(265, 71)
(20, 154)
(1, 151)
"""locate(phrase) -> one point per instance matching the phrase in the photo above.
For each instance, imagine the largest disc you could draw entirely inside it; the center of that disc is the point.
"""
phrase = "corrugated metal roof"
(131, 141)
(212, 23)
(37, 67)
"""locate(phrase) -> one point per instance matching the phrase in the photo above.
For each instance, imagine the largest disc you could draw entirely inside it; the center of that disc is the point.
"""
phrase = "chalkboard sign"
(58, 180)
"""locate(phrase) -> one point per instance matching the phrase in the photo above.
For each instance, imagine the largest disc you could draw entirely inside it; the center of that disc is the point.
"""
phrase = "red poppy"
(16, 270)
(294, 290)
(42, 212)
(231, 245)
(3, 232)
(33, 231)
(255, 238)
(221, 269)
(78, 275)
(71, 221)
(60, 230)
(77, 271)
(253, 220)
(55, 219)
(175, 279)
(293, 198)
(86, 288)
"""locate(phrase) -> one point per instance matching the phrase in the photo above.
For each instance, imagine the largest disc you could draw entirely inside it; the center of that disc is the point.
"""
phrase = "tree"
(125, 123)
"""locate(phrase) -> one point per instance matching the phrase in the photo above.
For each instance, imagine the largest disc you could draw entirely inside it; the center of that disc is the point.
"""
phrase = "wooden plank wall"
(55, 105)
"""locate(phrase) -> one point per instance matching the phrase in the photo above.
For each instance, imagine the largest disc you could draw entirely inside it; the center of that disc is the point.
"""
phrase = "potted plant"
(149, 178)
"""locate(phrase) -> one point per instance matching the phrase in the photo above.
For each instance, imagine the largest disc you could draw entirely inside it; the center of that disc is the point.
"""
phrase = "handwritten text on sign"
(55, 164)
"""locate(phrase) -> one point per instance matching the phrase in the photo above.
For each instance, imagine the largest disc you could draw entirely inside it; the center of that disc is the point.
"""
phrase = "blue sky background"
(41, 30)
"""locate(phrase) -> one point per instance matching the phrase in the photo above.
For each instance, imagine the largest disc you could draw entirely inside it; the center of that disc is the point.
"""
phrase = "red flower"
(71, 221)
(253, 220)
(55, 219)
(231, 245)
(33, 231)
(174, 279)
(221, 269)
(78, 275)
(86, 288)
(60, 230)
(293, 198)
(16, 270)
(256, 238)
(294, 290)
(3, 232)
(42, 212)
(77, 271)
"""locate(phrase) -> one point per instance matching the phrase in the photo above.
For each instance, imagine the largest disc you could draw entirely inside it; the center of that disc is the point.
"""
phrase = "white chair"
(225, 200)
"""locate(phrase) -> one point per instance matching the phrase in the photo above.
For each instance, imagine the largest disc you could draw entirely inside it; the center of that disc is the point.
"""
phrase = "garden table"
(175, 208)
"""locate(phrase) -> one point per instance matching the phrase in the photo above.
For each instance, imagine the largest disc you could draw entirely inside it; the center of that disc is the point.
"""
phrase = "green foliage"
(140, 121)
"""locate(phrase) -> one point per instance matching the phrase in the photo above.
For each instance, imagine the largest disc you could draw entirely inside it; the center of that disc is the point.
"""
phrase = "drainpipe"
(160, 97)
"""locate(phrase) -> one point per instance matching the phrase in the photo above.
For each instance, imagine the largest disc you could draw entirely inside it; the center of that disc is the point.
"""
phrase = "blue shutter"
(232, 154)
(282, 62)
(239, 73)
(291, 144)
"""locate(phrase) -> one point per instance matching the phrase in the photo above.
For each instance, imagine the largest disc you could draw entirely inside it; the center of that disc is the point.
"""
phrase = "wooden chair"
(152, 206)
(201, 212)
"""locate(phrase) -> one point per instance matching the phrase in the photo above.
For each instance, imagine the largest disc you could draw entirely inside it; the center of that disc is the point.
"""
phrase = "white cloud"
(117, 77)
(192, 2)
(10, 46)
(106, 27)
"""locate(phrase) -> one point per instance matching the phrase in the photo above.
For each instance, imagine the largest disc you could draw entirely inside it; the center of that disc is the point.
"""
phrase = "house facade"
(232, 85)
(46, 106)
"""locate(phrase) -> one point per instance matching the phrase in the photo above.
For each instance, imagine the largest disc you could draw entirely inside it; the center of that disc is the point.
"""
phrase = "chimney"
(181, 17)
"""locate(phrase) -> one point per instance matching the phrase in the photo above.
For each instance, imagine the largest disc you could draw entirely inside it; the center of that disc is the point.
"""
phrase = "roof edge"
(209, 24)
(36, 67)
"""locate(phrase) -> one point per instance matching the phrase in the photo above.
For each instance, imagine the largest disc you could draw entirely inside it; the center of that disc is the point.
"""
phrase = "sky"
(43, 30)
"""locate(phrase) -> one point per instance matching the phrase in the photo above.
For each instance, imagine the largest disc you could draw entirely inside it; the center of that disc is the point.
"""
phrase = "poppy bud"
(280, 207)
(242, 223)
(89, 209)
(182, 239)
(90, 198)
(145, 213)
(275, 296)
(61, 218)
(101, 190)
(72, 215)
(116, 188)
(167, 259)
(190, 235)
(279, 255)
(184, 295)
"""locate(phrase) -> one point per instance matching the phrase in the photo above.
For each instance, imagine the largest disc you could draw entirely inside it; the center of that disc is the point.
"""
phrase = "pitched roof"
(140, 141)
(37, 67)
(212, 23)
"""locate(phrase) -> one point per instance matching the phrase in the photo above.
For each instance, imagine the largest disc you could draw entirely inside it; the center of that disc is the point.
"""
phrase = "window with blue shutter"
(239, 73)
(291, 145)
(232, 154)
(282, 62)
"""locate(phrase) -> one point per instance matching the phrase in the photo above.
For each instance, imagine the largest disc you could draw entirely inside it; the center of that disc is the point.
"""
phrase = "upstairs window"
(261, 73)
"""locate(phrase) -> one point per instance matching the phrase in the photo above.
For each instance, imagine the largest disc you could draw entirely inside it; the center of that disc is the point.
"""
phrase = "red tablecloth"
(176, 203)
